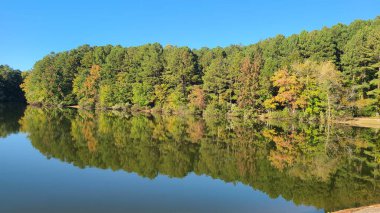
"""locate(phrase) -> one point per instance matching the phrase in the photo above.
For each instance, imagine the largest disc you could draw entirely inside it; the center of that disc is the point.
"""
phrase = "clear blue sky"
(31, 29)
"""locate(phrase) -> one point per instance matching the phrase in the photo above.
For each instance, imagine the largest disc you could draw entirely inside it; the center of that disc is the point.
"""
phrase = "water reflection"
(328, 167)
(9, 117)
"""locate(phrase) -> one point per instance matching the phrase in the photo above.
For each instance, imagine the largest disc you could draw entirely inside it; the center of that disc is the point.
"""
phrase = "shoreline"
(368, 122)
(74, 107)
(363, 209)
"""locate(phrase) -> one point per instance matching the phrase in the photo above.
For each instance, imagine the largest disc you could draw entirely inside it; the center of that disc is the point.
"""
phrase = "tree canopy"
(316, 75)
(10, 81)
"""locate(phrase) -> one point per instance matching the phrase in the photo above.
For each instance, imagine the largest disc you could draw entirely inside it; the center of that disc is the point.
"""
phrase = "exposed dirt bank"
(365, 209)
(74, 106)
(361, 122)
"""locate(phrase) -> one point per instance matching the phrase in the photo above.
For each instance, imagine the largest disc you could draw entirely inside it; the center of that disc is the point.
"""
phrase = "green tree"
(10, 81)
(180, 68)
(249, 82)
(361, 63)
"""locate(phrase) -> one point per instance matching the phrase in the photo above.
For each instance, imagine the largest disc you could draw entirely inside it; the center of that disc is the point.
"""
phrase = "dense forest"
(314, 75)
(330, 167)
(10, 81)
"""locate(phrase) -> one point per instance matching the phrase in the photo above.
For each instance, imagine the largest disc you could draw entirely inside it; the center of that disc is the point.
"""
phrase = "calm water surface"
(78, 161)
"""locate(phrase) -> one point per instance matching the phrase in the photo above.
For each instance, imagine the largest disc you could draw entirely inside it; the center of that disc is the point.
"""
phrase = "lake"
(68, 160)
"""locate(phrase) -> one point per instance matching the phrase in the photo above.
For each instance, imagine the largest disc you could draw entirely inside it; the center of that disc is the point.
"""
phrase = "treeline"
(314, 75)
(10, 81)
(329, 167)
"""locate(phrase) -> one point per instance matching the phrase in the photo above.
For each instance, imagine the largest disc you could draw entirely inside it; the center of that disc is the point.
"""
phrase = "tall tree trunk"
(327, 136)
(183, 85)
(328, 108)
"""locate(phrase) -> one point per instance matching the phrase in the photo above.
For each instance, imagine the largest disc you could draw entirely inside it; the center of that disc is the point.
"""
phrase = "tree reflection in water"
(329, 167)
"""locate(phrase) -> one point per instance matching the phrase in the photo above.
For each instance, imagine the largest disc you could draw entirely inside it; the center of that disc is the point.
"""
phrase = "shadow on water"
(327, 167)
(10, 115)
